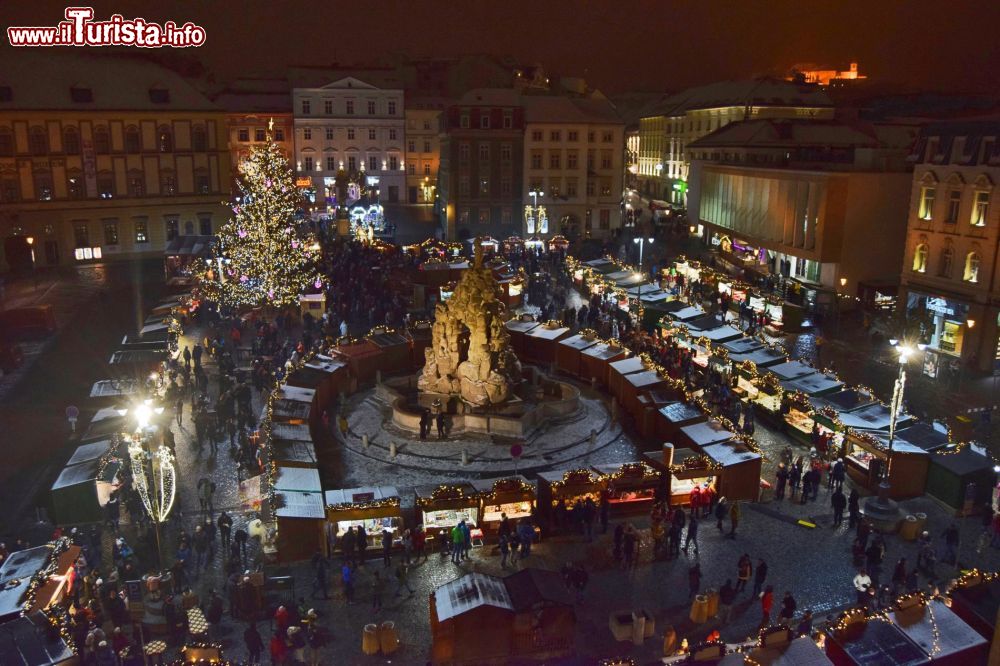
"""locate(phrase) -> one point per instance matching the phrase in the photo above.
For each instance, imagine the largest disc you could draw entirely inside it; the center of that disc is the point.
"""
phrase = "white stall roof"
(578, 342)
(595, 263)
(814, 384)
(521, 326)
(603, 351)
(295, 504)
(730, 453)
(324, 364)
(91, 451)
(619, 275)
(939, 635)
(546, 333)
(152, 328)
(290, 432)
(709, 432)
(743, 346)
(792, 370)
(875, 416)
(296, 393)
(360, 495)
(687, 314)
(721, 334)
(298, 478)
(628, 365)
(470, 592)
(762, 358)
(645, 288)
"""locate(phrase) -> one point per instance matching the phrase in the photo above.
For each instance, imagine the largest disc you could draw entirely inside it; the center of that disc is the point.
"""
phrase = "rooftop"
(764, 91)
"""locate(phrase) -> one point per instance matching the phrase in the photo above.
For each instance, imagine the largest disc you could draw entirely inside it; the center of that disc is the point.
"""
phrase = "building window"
(373, 163)
(505, 152)
(926, 202)
(6, 142)
(954, 204)
(484, 152)
(505, 187)
(605, 219)
(371, 107)
(536, 159)
(484, 216)
(102, 141)
(111, 232)
(980, 204)
(590, 188)
(464, 121)
(463, 152)
(71, 141)
(243, 134)
(554, 160)
(350, 107)
(105, 185)
(605, 159)
(9, 190)
(590, 160)
(463, 217)
(306, 107)
(411, 168)
(605, 187)
(307, 163)
(141, 230)
(427, 124)
(427, 168)
(81, 234)
(573, 135)
(555, 135)
(350, 134)
(571, 159)
(555, 187)
(164, 139)
(74, 187)
(392, 134)
(331, 163)
(170, 225)
(508, 120)
(427, 146)
(352, 163)
(484, 187)
(199, 139)
(393, 162)
(189, 228)
(971, 273)
(38, 141)
(506, 217)
(392, 108)
(205, 224)
(920, 258)
(328, 107)
(463, 186)
(947, 258)
(371, 134)
(259, 134)
(411, 146)
(536, 135)
(571, 187)
(136, 184)
(484, 121)
(307, 134)
(279, 134)
(168, 184)
(607, 137)
(43, 186)
(202, 183)
(590, 136)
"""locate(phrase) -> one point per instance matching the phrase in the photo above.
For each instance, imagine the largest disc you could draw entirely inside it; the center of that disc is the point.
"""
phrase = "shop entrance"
(52, 252)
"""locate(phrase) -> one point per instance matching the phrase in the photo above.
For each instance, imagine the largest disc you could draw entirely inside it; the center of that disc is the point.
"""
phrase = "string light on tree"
(263, 257)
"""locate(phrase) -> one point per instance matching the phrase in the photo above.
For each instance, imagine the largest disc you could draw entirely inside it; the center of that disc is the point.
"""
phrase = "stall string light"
(56, 616)
(385, 502)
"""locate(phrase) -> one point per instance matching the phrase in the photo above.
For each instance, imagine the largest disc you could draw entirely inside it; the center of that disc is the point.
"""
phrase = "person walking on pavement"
(225, 524)
(853, 508)
(200, 542)
(951, 540)
(788, 607)
(206, 493)
(837, 473)
(727, 595)
(862, 583)
(766, 603)
(839, 503)
(347, 580)
(630, 541)
(504, 546)
(187, 358)
(319, 582)
(744, 569)
(378, 588)
(403, 579)
(253, 641)
(760, 575)
(781, 478)
(721, 511)
(457, 544)
(439, 420)
(386, 548)
(734, 518)
(692, 534)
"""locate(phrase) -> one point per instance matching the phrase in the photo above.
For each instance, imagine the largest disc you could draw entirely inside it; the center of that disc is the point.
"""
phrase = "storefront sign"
(303, 182)
(940, 306)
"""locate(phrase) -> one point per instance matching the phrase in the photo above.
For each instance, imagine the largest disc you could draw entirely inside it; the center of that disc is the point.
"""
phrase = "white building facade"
(351, 126)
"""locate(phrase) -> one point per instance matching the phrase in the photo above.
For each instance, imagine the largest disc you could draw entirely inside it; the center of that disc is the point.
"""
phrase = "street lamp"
(154, 475)
(641, 242)
(881, 509)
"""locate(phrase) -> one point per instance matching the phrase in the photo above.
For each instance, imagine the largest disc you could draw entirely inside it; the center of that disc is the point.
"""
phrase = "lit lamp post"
(882, 510)
(153, 473)
(641, 242)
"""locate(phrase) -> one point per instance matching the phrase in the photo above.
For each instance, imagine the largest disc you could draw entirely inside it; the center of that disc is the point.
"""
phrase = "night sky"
(617, 46)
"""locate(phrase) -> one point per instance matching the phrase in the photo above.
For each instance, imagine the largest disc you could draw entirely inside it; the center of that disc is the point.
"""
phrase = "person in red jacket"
(279, 650)
(766, 602)
(281, 619)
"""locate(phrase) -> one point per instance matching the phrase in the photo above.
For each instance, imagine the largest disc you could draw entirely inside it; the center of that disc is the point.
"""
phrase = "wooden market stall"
(632, 487)
(617, 371)
(676, 415)
(738, 470)
(394, 350)
(323, 374)
(648, 415)
(363, 358)
(638, 384)
(699, 435)
(595, 361)
(540, 343)
(976, 600)
(421, 334)
(685, 469)
(867, 453)
(801, 651)
(440, 508)
(85, 484)
(566, 488)
(569, 352)
(300, 513)
(518, 328)
(864, 642)
(959, 477)
(942, 635)
(293, 453)
(375, 509)
(478, 619)
(289, 409)
(513, 496)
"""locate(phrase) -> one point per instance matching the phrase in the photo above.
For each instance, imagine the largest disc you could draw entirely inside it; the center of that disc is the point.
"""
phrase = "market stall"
(650, 404)
(799, 421)
(671, 418)
(108, 392)
(513, 496)
(540, 343)
(394, 350)
(742, 345)
(567, 488)
(941, 634)
(976, 600)
(763, 358)
(956, 477)
(814, 385)
(631, 487)
(595, 361)
(867, 453)
(699, 435)
(290, 411)
(738, 470)
(421, 333)
(440, 508)
(293, 453)
(299, 512)
(323, 374)
(518, 328)
(617, 372)
(375, 509)
(136, 363)
(857, 641)
(791, 370)
(312, 304)
(640, 383)
(85, 484)
(687, 469)
(363, 358)
(296, 432)
(569, 352)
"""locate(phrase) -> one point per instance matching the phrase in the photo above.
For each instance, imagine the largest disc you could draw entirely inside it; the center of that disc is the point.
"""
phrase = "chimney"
(668, 454)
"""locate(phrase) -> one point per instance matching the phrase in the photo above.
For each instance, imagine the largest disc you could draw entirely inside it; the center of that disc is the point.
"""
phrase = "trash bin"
(699, 609)
(921, 522)
(387, 638)
(369, 639)
(638, 628)
(713, 602)
(909, 529)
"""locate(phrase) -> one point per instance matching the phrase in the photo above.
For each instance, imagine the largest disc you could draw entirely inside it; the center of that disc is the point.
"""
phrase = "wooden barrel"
(699, 609)
(369, 639)
(387, 638)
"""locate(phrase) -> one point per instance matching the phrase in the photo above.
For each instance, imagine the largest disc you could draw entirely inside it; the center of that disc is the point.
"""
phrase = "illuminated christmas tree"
(263, 256)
